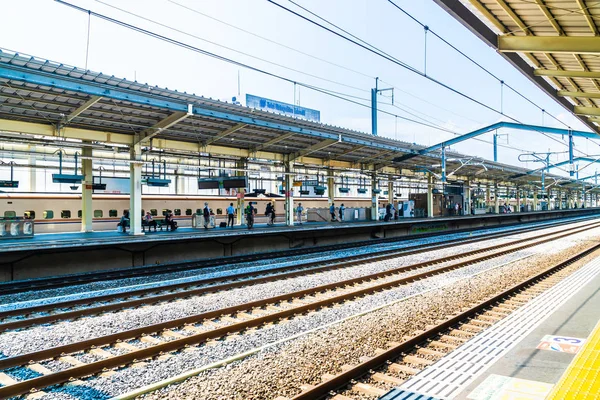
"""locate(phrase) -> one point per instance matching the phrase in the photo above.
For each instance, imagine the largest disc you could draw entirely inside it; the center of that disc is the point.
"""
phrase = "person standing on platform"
(332, 212)
(206, 215)
(299, 210)
(341, 211)
(230, 214)
(388, 212)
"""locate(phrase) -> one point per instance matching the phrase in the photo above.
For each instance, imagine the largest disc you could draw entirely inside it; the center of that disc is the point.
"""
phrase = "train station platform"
(549, 349)
(67, 253)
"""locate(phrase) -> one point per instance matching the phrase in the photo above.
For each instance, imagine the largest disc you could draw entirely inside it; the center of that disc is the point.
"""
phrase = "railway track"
(66, 310)
(160, 340)
(79, 279)
(375, 375)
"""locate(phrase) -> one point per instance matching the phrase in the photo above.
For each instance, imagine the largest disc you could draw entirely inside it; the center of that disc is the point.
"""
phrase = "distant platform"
(67, 253)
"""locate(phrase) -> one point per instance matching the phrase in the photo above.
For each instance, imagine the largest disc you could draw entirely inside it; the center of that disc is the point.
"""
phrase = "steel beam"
(225, 133)
(147, 134)
(85, 106)
(593, 111)
(587, 95)
(511, 125)
(469, 20)
(315, 147)
(274, 141)
(566, 74)
(549, 44)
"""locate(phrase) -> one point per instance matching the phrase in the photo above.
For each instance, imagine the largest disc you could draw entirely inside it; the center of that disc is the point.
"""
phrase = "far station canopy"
(45, 98)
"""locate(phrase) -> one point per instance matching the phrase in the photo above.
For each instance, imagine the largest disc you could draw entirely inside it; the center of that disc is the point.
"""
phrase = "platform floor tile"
(581, 380)
(448, 377)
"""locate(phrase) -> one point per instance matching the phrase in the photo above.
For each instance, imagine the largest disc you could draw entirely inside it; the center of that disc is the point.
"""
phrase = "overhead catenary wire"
(155, 35)
(367, 46)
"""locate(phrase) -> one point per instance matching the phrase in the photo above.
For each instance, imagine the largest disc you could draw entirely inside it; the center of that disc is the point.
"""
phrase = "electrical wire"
(384, 55)
(328, 92)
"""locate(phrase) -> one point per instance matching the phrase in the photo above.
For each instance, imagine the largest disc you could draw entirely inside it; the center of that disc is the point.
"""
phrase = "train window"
(65, 214)
(98, 213)
(30, 214)
(112, 213)
(153, 212)
(79, 214)
(188, 211)
(165, 211)
(10, 214)
(219, 211)
(48, 214)
(177, 211)
(199, 211)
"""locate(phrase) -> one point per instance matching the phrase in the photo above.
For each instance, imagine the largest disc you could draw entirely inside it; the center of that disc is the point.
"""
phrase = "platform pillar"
(87, 211)
(467, 201)
(135, 191)
(535, 200)
(429, 195)
(32, 170)
(488, 199)
(496, 200)
(391, 192)
(289, 194)
(240, 203)
(374, 205)
(518, 199)
(179, 181)
(330, 187)
(558, 200)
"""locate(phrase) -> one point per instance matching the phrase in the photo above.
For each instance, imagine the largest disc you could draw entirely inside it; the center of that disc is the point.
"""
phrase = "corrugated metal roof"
(25, 101)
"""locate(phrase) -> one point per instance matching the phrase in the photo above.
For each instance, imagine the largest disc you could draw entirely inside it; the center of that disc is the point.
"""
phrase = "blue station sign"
(279, 107)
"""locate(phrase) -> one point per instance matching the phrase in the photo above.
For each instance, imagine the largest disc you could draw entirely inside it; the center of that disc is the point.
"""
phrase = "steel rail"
(158, 349)
(72, 280)
(338, 381)
(346, 263)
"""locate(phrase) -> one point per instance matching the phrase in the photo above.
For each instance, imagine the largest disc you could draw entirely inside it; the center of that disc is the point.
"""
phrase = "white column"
(535, 200)
(87, 211)
(429, 195)
(289, 192)
(496, 200)
(32, 170)
(391, 191)
(241, 164)
(488, 199)
(179, 181)
(330, 187)
(467, 193)
(374, 205)
(135, 191)
(518, 198)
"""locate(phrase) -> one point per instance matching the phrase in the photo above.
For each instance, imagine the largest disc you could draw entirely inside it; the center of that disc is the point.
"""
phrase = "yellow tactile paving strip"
(581, 380)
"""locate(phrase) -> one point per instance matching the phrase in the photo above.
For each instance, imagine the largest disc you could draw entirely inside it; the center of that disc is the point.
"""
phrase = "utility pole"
(374, 93)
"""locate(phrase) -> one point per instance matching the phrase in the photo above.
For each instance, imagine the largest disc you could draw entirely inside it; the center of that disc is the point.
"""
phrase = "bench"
(160, 223)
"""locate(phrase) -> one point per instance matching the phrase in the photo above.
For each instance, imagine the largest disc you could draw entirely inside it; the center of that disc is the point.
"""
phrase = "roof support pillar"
(496, 199)
(374, 205)
(429, 195)
(443, 164)
(241, 166)
(535, 199)
(391, 192)
(289, 193)
(32, 169)
(467, 199)
(518, 199)
(86, 190)
(330, 186)
(135, 191)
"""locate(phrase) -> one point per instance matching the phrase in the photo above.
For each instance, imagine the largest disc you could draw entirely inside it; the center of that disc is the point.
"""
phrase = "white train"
(62, 212)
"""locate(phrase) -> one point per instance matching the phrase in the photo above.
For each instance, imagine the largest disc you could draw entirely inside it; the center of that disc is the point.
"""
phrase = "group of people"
(340, 212)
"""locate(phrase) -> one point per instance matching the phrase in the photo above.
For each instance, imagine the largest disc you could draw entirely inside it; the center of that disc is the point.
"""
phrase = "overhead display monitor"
(280, 107)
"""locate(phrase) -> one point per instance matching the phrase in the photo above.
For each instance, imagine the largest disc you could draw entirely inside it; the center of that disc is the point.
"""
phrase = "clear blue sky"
(49, 30)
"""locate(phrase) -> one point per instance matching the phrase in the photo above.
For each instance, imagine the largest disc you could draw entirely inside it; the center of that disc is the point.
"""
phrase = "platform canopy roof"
(556, 43)
(41, 97)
